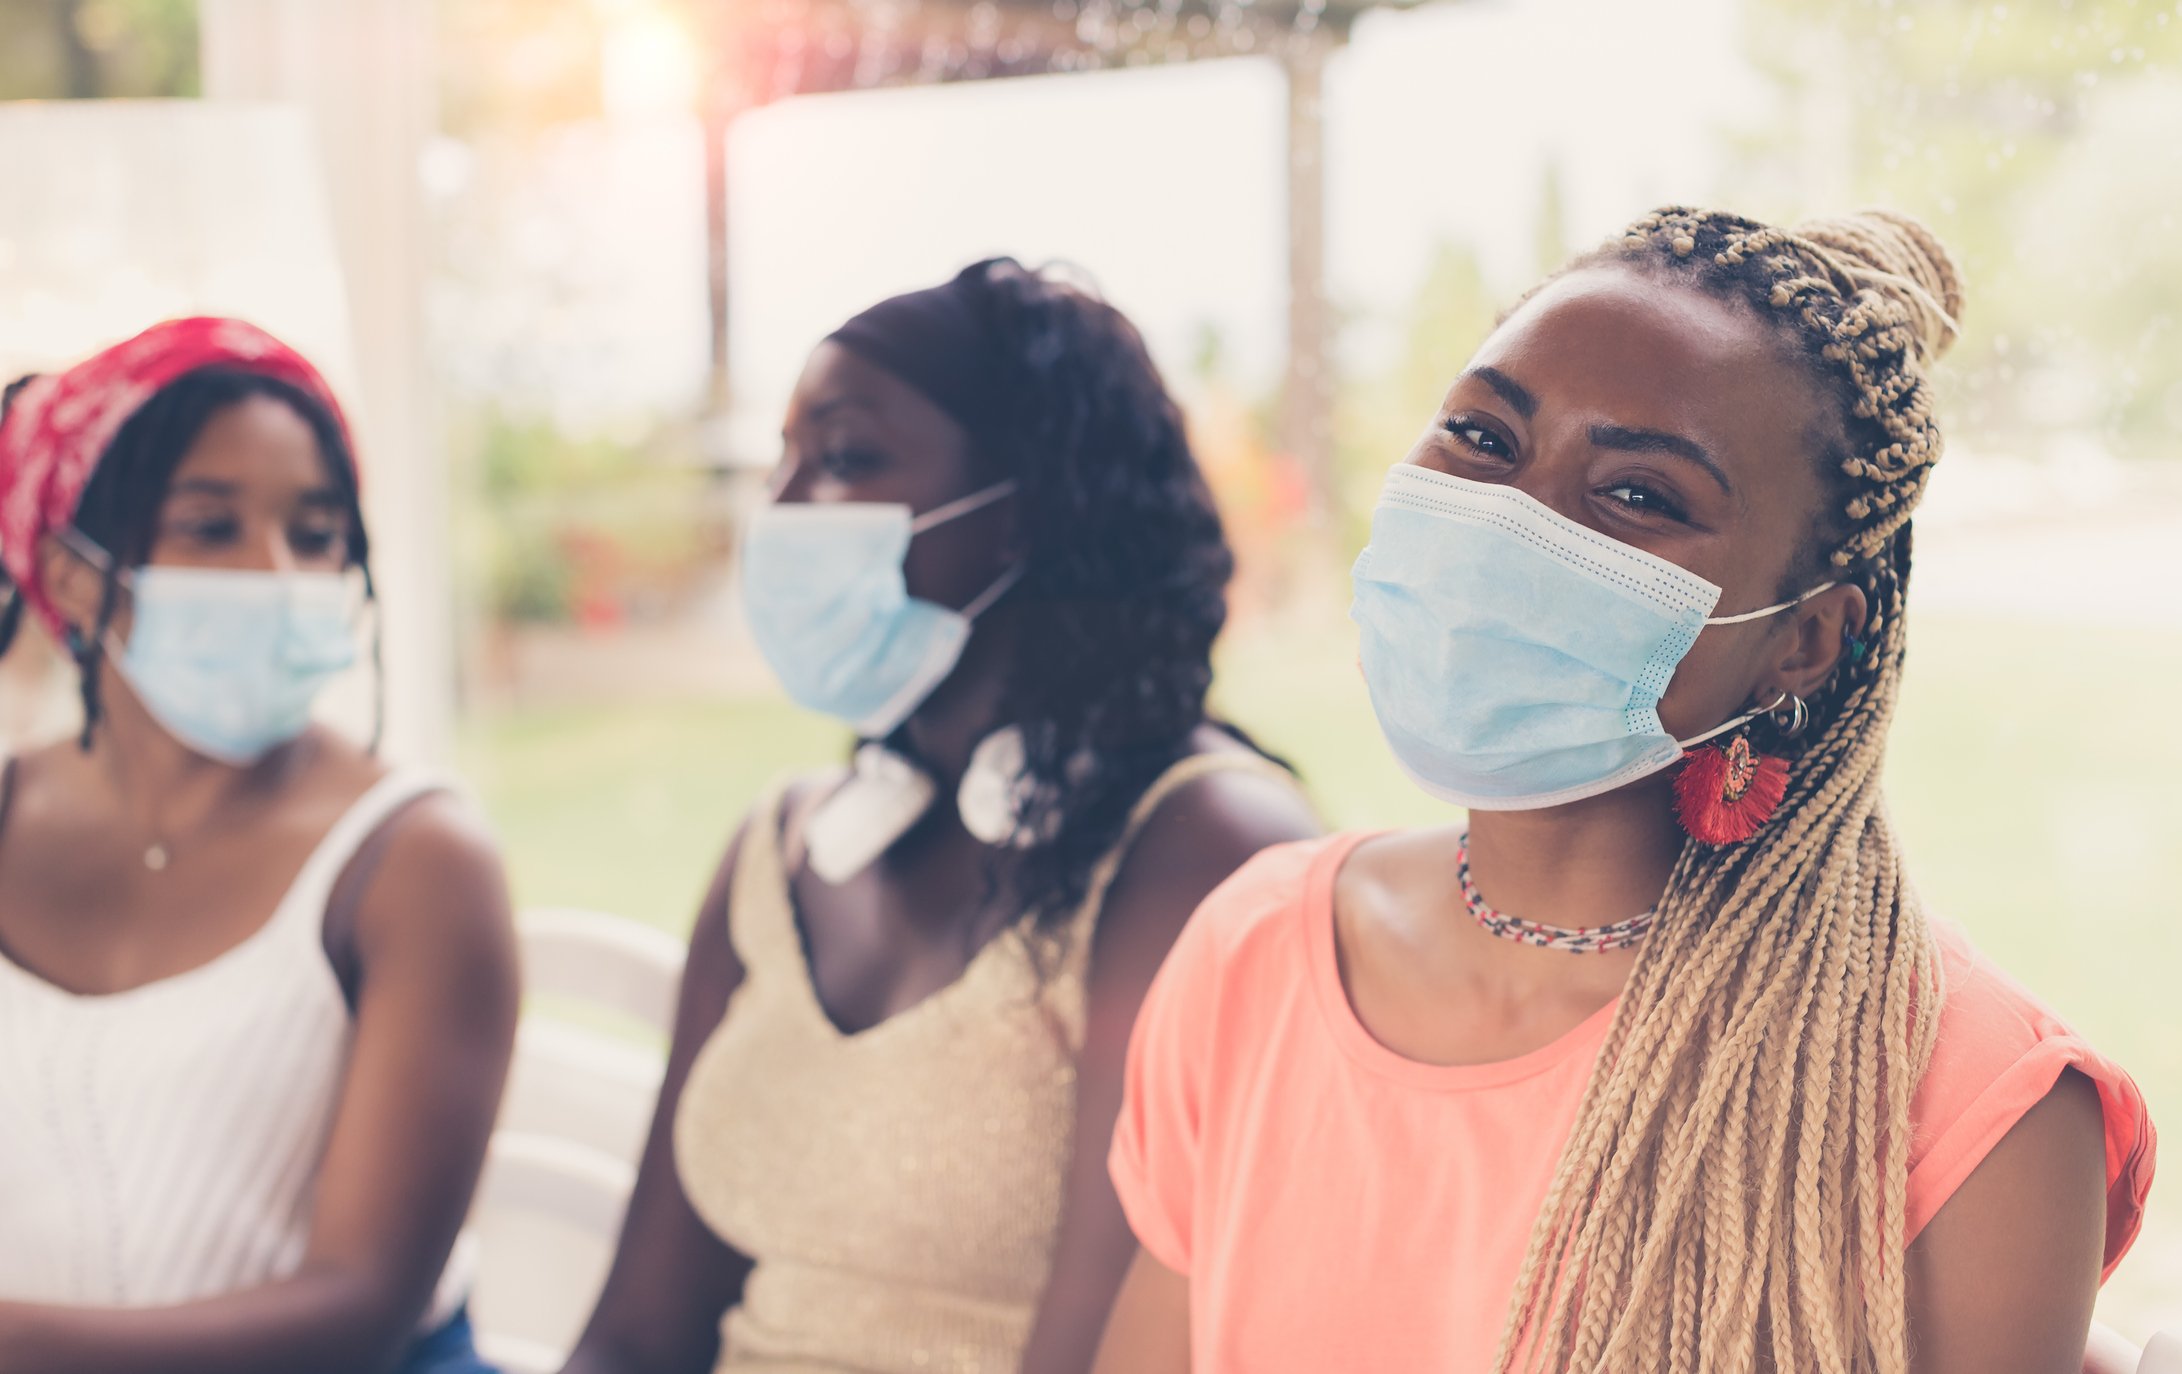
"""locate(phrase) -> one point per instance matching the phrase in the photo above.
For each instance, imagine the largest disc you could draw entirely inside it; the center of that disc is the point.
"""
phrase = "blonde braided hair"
(1732, 1193)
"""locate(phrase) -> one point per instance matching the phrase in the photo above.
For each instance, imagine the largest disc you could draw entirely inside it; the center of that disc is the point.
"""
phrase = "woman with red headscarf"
(257, 990)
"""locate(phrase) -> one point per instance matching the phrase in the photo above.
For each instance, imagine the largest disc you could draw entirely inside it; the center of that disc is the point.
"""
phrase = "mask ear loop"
(1764, 611)
(88, 650)
(961, 506)
(86, 548)
(1737, 722)
(955, 510)
(984, 600)
(1800, 714)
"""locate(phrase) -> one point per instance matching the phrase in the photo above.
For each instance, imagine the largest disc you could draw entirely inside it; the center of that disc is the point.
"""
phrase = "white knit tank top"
(161, 1145)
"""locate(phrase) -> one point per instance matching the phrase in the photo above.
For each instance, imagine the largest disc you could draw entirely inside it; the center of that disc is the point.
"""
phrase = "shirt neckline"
(304, 897)
(1364, 1049)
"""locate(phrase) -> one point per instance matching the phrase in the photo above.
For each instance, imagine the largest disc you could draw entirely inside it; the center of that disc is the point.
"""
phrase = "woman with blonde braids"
(1661, 1066)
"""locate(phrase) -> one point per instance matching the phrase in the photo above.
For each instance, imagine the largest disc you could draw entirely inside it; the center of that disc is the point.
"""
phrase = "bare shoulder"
(1198, 836)
(442, 835)
(2060, 1139)
(441, 881)
(2006, 1273)
(1222, 816)
(2067, 1128)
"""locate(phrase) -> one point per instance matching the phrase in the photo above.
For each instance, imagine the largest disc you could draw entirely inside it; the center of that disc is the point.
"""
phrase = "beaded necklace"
(1575, 939)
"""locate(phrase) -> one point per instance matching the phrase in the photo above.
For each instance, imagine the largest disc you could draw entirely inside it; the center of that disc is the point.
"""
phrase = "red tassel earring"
(1724, 794)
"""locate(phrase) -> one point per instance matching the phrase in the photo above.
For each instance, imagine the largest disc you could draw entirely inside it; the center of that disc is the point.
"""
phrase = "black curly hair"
(1125, 574)
(119, 509)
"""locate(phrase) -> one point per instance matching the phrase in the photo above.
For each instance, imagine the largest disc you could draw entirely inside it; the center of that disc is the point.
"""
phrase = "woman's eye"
(849, 465)
(1650, 500)
(212, 532)
(1479, 438)
(311, 543)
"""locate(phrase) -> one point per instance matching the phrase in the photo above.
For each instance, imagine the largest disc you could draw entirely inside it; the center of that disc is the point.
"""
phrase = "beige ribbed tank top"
(898, 1189)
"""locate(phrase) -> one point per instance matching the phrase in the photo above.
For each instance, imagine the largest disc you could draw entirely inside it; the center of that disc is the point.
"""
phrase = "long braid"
(1734, 1189)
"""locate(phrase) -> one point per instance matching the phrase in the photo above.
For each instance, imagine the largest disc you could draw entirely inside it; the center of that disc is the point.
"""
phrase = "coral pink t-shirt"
(1339, 1207)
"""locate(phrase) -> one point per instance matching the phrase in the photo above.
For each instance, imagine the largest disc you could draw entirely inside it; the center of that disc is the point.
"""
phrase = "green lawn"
(2034, 777)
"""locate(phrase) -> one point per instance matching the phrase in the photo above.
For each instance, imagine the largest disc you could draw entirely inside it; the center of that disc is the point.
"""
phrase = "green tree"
(2038, 139)
(87, 49)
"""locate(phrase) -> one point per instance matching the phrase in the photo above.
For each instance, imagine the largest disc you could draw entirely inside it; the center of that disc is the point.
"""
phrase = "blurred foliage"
(1378, 417)
(570, 529)
(1264, 493)
(82, 49)
(2039, 140)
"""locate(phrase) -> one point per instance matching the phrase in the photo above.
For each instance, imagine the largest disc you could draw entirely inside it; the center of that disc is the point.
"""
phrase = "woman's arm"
(672, 1278)
(435, 1021)
(2003, 1279)
(1149, 1332)
(1196, 838)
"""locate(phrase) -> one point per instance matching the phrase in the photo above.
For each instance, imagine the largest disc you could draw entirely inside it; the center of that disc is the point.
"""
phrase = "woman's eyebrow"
(1660, 441)
(1511, 391)
(201, 486)
(821, 409)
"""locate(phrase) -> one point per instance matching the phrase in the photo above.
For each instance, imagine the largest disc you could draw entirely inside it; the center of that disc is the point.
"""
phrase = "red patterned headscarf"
(60, 425)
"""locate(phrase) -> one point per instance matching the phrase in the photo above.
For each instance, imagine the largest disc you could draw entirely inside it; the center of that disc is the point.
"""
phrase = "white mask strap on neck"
(1765, 611)
(985, 599)
(1736, 722)
(961, 506)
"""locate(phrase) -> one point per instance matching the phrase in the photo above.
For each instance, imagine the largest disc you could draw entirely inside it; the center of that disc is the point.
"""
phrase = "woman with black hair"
(257, 990)
(900, 1043)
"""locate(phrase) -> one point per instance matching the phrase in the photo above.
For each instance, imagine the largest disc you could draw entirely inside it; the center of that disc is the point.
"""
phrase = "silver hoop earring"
(1790, 716)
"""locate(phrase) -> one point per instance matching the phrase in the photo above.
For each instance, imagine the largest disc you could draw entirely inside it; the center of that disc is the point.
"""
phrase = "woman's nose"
(791, 482)
(271, 552)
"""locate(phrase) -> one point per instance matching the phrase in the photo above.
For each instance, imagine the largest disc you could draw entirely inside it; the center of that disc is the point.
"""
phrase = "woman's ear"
(76, 586)
(1819, 634)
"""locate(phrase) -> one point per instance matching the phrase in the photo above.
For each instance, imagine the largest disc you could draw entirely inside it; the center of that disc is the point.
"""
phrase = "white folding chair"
(2109, 1352)
(579, 1103)
(605, 961)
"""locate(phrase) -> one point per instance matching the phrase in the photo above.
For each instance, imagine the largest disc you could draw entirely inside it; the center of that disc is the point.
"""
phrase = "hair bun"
(1896, 255)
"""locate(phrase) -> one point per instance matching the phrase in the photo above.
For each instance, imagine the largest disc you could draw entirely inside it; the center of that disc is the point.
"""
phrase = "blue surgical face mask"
(1516, 658)
(229, 663)
(824, 594)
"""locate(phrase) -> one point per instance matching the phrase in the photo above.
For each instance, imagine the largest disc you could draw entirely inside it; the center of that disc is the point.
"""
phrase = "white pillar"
(364, 73)
(1308, 388)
